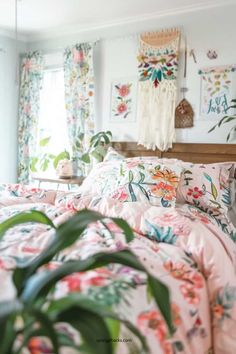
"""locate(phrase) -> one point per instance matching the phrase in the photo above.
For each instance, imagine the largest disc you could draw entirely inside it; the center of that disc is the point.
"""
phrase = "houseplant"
(45, 159)
(34, 313)
(98, 146)
(227, 119)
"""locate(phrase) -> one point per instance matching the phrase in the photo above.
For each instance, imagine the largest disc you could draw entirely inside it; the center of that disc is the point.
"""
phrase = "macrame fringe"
(160, 38)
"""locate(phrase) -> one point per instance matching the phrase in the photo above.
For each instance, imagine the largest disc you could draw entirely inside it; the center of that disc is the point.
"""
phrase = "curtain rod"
(61, 48)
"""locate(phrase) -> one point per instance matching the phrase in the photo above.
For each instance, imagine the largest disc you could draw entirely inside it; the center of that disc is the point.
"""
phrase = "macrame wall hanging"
(184, 111)
(158, 65)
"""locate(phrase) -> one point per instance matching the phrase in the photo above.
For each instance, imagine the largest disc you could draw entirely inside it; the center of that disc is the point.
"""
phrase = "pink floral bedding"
(193, 253)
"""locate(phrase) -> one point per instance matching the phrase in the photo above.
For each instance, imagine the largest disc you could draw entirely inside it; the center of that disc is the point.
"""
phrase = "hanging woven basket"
(184, 115)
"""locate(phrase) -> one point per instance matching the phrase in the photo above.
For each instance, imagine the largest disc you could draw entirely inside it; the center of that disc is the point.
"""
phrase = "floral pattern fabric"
(79, 95)
(207, 187)
(148, 181)
(184, 247)
(157, 66)
(134, 179)
(29, 100)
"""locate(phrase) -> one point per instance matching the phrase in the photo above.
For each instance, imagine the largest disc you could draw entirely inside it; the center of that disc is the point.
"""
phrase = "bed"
(183, 218)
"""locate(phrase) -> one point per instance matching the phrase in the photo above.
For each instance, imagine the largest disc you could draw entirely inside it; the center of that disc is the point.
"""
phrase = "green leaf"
(142, 177)
(214, 191)
(63, 155)
(114, 329)
(97, 155)
(92, 328)
(85, 158)
(131, 176)
(162, 298)
(45, 141)
(44, 165)
(41, 283)
(132, 194)
(80, 300)
(208, 177)
(33, 164)
(8, 312)
(126, 228)
(24, 217)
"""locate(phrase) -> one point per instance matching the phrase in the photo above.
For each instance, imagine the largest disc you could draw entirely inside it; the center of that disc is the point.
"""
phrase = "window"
(52, 116)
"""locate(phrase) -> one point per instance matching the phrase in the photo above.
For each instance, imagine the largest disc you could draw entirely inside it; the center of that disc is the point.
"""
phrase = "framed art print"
(123, 100)
(218, 88)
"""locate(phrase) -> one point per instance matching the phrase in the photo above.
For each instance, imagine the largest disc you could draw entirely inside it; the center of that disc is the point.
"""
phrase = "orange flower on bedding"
(176, 318)
(164, 190)
(178, 270)
(152, 321)
(167, 175)
(218, 311)
(189, 293)
(38, 346)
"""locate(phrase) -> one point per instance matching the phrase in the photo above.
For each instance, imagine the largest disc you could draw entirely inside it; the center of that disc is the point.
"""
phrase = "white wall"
(8, 110)
(115, 57)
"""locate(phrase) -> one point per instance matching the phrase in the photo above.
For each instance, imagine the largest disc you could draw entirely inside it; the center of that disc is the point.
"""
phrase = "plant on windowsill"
(99, 144)
(34, 313)
(227, 119)
(45, 159)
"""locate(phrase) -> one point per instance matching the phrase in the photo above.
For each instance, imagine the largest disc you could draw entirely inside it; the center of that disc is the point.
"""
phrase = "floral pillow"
(146, 179)
(113, 155)
(102, 179)
(207, 187)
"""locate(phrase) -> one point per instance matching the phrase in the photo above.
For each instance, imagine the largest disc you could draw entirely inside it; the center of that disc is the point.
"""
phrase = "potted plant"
(98, 146)
(35, 313)
(45, 159)
(227, 119)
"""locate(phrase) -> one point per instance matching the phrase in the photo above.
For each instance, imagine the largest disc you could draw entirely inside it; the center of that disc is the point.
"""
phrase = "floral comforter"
(188, 250)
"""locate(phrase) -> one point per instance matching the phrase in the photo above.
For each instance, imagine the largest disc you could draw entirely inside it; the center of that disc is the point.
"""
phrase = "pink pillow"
(206, 186)
(146, 179)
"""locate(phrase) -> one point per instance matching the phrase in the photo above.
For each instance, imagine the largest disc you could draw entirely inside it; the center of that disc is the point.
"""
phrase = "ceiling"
(37, 17)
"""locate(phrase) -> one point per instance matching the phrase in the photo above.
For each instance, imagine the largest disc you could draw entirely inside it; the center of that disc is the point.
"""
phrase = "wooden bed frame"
(196, 153)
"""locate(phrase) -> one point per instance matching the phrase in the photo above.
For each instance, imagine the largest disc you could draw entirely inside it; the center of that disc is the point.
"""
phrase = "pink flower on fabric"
(2, 264)
(78, 56)
(181, 230)
(202, 217)
(113, 227)
(189, 294)
(178, 270)
(195, 192)
(81, 281)
(124, 90)
(28, 249)
(196, 279)
(132, 164)
(122, 108)
(27, 108)
(28, 64)
(120, 194)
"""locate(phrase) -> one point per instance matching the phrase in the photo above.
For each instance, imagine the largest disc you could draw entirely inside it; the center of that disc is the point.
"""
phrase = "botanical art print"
(123, 99)
(217, 90)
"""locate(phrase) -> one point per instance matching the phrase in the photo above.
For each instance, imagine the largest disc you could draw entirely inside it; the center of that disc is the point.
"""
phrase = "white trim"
(69, 30)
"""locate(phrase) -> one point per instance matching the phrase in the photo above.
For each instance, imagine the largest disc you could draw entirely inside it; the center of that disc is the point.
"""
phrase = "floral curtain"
(29, 97)
(79, 95)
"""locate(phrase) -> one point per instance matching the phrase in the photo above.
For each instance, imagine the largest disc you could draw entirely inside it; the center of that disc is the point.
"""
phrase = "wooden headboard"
(196, 153)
